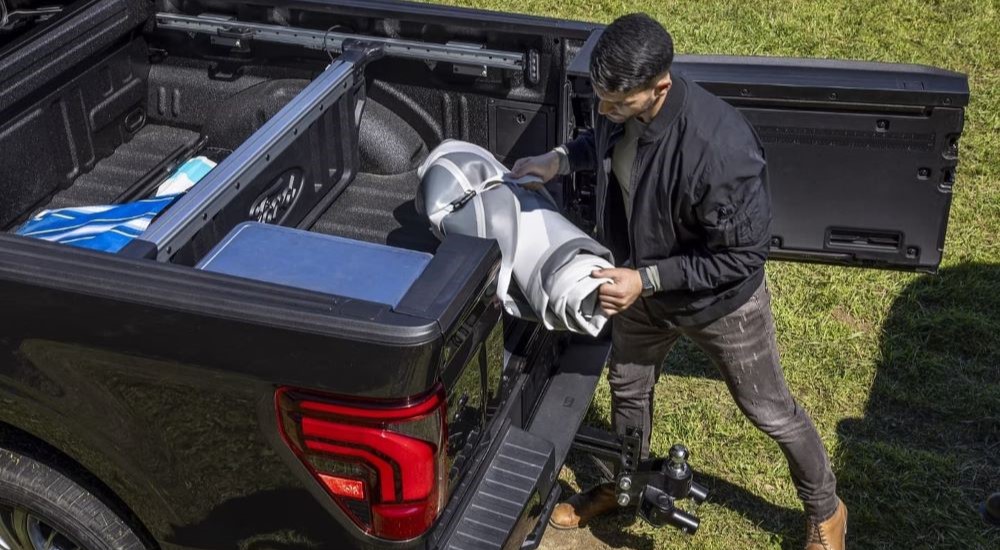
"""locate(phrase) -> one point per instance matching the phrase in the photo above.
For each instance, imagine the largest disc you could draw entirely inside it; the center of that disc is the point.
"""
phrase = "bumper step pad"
(509, 495)
(511, 502)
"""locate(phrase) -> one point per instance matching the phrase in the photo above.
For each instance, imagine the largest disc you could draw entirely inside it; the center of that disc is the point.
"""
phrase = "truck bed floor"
(379, 209)
(130, 163)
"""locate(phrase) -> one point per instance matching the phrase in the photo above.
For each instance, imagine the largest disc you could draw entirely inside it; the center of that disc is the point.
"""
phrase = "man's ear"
(663, 85)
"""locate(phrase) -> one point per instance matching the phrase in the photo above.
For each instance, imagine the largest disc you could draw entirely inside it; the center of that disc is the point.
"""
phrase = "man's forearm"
(698, 272)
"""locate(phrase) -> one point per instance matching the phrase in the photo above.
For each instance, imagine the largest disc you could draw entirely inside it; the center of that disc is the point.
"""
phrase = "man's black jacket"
(701, 210)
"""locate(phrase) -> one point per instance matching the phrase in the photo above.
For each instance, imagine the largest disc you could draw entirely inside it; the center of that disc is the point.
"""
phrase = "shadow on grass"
(915, 467)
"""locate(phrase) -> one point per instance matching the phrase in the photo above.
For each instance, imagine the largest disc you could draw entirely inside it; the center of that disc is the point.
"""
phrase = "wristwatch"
(647, 285)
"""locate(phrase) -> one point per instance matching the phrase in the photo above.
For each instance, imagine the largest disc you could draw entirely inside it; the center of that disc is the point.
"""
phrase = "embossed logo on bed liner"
(274, 204)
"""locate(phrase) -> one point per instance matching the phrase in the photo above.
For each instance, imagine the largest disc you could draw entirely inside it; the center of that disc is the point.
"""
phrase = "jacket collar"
(669, 112)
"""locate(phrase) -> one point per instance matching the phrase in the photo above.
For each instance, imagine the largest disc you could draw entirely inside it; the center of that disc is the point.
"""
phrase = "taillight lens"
(382, 462)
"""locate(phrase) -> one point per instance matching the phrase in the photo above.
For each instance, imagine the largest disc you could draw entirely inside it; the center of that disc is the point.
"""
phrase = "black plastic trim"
(439, 293)
(568, 395)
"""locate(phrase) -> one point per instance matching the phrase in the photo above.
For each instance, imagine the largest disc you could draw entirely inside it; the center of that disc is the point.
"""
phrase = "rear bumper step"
(513, 497)
(507, 496)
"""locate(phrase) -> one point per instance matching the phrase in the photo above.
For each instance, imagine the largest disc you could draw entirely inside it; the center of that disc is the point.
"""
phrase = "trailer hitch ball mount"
(651, 486)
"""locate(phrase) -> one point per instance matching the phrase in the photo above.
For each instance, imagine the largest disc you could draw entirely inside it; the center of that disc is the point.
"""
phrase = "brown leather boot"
(581, 507)
(830, 534)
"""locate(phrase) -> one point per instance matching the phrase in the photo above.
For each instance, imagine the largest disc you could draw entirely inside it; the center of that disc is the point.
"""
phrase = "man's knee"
(631, 381)
(777, 419)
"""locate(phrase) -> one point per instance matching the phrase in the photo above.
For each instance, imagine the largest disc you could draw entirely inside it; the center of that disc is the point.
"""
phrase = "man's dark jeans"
(743, 346)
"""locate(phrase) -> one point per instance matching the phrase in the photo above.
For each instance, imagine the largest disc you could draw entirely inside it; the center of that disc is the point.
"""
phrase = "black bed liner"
(379, 209)
(148, 156)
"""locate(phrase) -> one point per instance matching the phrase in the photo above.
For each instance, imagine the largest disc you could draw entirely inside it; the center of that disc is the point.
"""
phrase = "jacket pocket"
(737, 227)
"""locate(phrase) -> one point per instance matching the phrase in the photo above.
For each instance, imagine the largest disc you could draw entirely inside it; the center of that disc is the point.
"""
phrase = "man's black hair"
(631, 53)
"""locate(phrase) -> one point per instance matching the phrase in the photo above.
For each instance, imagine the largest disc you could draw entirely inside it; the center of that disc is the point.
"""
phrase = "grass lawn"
(900, 372)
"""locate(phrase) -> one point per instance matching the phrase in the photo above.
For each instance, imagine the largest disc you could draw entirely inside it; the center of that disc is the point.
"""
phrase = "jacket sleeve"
(582, 152)
(732, 204)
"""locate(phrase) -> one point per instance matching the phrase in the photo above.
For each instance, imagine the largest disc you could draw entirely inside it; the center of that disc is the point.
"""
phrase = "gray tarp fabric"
(465, 190)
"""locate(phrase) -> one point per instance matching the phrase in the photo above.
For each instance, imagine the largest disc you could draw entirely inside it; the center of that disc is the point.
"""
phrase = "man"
(682, 201)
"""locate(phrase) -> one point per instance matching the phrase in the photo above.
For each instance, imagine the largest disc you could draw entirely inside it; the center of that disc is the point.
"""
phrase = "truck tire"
(41, 508)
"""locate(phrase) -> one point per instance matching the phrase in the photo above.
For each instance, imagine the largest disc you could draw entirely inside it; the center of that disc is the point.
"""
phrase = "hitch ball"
(679, 456)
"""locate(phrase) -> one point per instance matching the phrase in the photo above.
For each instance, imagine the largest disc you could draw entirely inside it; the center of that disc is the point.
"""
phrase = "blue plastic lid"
(313, 261)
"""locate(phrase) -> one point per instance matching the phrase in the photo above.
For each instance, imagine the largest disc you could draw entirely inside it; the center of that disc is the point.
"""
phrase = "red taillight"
(383, 463)
(344, 487)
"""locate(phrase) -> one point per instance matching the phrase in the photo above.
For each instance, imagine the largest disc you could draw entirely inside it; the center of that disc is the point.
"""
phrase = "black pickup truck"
(148, 403)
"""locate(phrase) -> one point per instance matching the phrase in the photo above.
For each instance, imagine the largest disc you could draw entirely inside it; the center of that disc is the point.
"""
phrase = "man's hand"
(544, 166)
(616, 297)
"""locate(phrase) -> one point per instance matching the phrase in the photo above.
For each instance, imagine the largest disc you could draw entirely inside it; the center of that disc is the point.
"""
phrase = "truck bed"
(147, 155)
(379, 209)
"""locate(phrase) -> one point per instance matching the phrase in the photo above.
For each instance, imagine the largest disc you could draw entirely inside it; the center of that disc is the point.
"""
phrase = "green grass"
(900, 372)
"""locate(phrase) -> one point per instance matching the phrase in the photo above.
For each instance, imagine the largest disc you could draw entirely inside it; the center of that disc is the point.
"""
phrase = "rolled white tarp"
(547, 261)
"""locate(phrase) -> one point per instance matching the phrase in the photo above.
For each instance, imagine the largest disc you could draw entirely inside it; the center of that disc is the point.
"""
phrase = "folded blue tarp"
(108, 228)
